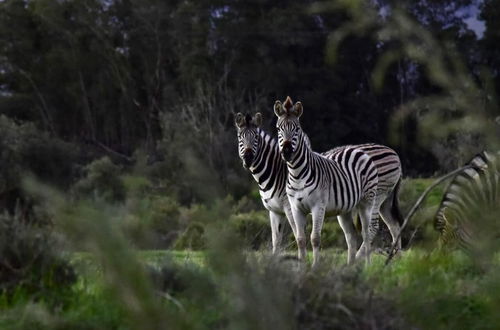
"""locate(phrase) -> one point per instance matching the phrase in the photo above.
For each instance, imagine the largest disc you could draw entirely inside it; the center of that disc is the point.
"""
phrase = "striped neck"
(268, 168)
(302, 157)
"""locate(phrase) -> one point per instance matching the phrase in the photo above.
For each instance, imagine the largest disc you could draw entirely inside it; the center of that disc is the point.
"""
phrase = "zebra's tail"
(395, 210)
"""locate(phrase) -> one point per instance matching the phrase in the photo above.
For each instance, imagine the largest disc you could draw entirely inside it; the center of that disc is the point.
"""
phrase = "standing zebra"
(470, 207)
(320, 186)
(260, 155)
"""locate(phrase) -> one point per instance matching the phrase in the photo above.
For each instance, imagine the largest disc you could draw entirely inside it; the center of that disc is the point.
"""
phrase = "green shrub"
(252, 229)
(30, 263)
(25, 149)
(102, 181)
(152, 221)
(193, 238)
(192, 222)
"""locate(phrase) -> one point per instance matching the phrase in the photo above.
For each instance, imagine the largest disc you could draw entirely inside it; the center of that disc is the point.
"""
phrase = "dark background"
(154, 85)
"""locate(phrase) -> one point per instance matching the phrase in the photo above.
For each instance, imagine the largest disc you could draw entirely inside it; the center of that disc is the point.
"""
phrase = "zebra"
(470, 206)
(260, 155)
(324, 186)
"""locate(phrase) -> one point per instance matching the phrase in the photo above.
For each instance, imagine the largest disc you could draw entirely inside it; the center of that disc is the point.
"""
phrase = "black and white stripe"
(470, 207)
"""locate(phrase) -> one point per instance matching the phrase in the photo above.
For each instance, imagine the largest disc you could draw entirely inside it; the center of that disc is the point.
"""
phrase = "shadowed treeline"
(160, 81)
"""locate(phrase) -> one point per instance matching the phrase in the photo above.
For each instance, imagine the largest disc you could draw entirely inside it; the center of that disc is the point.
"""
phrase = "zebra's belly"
(274, 204)
(306, 202)
(332, 209)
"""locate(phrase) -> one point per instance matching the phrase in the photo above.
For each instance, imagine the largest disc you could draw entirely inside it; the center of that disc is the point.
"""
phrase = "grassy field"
(430, 290)
(228, 285)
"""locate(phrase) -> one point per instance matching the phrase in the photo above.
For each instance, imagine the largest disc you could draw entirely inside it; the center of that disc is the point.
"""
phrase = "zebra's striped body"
(470, 207)
(323, 186)
(390, 174)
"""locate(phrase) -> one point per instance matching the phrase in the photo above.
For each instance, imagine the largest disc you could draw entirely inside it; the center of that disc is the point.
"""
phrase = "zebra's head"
(288, 126)
(248, 136)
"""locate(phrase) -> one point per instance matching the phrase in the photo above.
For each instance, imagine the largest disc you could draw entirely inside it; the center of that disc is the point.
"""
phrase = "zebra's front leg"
(276, 230)
(300, 224)
(318, 216)
(351, 237)
(289, 216)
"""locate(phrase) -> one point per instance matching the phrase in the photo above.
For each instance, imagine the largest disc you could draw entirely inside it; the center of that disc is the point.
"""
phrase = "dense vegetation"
(127, 107)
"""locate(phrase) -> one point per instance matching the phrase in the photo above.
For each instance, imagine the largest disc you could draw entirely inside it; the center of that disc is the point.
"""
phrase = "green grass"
(432, 290)
(212, 288)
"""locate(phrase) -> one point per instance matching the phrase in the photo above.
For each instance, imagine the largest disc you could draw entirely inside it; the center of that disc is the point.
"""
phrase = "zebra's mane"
(266, 137)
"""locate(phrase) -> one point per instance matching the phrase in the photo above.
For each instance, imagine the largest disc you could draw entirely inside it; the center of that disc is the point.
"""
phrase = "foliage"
(31, 264)
(102, 181)
(26, 149)
(462, 103)
(192, 238)
(253, 228)
(165, 78)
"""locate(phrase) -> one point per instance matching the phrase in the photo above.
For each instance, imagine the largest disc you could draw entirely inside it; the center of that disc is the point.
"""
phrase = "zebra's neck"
(304, 160)
(268, 168)
(301, 158)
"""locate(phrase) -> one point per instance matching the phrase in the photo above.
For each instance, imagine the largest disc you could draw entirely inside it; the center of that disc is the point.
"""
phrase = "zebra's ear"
(239, 120)
(257, 119)
(278, 109)
(297, 109)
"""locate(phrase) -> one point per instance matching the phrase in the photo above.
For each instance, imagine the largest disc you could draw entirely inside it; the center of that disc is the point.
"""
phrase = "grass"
(448, 289)
(224, 287)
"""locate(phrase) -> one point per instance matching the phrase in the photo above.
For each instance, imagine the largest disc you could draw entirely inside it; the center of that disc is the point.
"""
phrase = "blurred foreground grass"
(228, 285)
(421, 289)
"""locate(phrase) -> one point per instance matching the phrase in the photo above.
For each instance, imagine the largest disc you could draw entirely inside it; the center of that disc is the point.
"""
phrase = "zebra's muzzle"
(287, 150)
(247, 158)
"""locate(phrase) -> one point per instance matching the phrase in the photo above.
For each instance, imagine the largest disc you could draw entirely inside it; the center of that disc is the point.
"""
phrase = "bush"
(152, 221)
(30, 263)
(25, 149)
(253, 229)
(102, 181)
(193, 238)
(193, 221)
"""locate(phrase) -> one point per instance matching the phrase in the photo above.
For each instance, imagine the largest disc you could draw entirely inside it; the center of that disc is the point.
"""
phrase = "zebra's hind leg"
(372, 231)
(300, 224)
(386, 211)
(351, 236)
(318, 216)
(276, 230)
(365, 214)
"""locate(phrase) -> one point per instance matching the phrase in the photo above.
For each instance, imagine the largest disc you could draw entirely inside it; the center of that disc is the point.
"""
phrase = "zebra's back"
(385, 159)
(471, 202)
